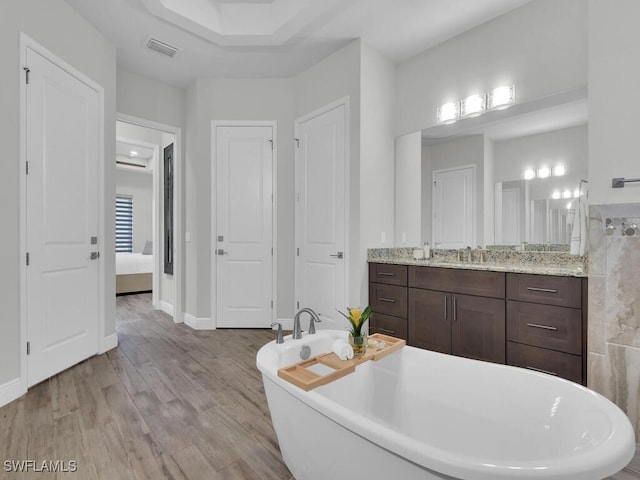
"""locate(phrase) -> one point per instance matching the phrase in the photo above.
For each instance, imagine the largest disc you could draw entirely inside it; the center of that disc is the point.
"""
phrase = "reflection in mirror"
(509, 182)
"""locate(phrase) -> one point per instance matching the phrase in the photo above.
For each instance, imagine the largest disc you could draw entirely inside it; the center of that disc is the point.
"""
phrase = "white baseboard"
(166, 307)
(199, 323)
(108, 343)
(11, 391)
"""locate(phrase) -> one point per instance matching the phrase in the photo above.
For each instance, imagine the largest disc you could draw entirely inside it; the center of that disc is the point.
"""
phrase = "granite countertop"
(544, 263)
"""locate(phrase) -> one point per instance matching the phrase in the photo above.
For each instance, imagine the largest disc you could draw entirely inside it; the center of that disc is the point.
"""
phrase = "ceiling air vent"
(162, 47)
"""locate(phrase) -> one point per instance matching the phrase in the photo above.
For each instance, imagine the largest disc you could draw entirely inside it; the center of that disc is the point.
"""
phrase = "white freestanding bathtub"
(417, 414)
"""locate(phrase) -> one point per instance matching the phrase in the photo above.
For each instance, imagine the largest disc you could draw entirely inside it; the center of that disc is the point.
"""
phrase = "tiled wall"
(614, 309)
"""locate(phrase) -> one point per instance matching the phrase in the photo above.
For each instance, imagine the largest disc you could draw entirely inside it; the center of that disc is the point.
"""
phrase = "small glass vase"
(359, 344)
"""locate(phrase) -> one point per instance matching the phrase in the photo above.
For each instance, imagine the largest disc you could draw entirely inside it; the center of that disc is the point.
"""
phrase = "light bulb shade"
(555, 195)
(544, 172)
(449, 112)
(473, 105)
(529, 174)
(559, 170)
(501, 97)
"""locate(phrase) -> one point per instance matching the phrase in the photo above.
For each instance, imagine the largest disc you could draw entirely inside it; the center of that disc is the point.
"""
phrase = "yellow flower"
(356, 315)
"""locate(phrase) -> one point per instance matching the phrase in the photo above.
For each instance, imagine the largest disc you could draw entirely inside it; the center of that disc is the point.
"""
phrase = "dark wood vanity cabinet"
(546, 324)
(531, 321)
(444, 318)
(388, 298)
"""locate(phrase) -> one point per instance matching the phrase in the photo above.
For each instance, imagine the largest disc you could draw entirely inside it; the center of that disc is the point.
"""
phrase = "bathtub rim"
(600, 461)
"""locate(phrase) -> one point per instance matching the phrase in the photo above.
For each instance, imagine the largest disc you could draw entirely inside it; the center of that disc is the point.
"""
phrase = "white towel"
(578, 216)
(342, 349)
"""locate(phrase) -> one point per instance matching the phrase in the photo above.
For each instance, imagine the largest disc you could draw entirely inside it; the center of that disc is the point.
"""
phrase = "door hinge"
(298, 252)
(298, 197)
(27, 258)
(298, 305)
(28, 348)
(271, 142)
(297, 142)
(27, 168)
(272, 304)
(27, 71)
(272, 251)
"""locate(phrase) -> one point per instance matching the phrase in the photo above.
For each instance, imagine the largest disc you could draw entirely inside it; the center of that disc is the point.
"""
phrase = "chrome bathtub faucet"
(297, 330)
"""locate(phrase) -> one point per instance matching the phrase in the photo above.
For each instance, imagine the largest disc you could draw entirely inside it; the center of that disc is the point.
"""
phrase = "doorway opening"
(148, 250)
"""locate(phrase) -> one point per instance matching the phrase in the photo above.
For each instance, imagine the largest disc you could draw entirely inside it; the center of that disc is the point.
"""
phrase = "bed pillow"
(148, 248)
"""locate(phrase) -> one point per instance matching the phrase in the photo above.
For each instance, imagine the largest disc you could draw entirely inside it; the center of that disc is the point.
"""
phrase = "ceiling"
(273, 38)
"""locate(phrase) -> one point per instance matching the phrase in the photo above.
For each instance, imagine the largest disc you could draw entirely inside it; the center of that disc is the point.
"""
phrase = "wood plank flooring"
(169, 402)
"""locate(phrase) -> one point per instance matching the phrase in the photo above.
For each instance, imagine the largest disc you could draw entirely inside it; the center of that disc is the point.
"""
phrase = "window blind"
(124, 224)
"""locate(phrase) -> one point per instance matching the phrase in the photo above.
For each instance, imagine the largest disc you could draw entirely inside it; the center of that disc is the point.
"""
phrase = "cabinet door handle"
(546, 290)
(384, 330)
(455, 309)
(386, 274)
(546, 327)
(446, 314)
(388, 300)
(541, 370)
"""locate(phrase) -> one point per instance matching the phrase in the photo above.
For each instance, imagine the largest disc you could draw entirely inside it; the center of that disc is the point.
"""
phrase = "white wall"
(540, 47)
(139, 186)
(377, 132)
(84, 48)
(614, 76)
(235, 99)
(408, 190)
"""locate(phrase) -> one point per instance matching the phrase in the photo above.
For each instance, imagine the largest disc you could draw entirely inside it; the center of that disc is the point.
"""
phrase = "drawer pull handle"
(546, 327)
(446, 314)
(455, 309)
(384, 330)
(386, 274)
(388, 300)
(542, 371)
(545, 290)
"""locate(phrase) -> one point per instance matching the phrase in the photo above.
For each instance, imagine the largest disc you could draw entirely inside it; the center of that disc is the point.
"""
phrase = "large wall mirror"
(512, 179)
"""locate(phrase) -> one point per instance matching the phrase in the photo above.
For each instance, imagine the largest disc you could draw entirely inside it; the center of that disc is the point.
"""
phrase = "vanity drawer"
(557, 328)
(387, 273)
(550, 290)
(389, 299)
(471, 282)
(559, 364)
(388, 325)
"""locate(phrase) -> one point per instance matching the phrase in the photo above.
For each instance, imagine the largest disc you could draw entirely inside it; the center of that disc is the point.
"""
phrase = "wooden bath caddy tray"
(301, 374)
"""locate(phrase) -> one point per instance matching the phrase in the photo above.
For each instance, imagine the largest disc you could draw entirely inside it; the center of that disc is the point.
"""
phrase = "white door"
(320, 216)
(453, 208)
(62, 148)
(244, 226)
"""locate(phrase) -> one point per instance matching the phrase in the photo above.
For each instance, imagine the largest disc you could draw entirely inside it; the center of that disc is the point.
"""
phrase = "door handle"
(222, 252)
(338, 255)
(94, 256)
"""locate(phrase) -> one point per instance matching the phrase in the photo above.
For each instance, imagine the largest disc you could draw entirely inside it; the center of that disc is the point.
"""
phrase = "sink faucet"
(297, 331)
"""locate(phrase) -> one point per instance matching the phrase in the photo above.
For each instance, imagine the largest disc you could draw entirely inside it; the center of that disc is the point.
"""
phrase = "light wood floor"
(169, 402)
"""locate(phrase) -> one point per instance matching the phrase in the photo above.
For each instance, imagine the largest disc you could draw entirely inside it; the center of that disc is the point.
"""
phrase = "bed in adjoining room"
(133, 273)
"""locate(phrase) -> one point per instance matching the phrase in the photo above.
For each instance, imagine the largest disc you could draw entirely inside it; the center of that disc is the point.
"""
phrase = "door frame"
(155, 233)
(178, 310)
(25, 43)
(342, 102)
(214, 205)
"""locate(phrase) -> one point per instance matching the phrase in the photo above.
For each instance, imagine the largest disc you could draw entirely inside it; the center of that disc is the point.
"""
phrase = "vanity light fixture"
(559, 170)
(555, 195)
(501, 97)
(544, 172)
(566, 194)
(473, 105)
(529, 174)
(449, 112)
